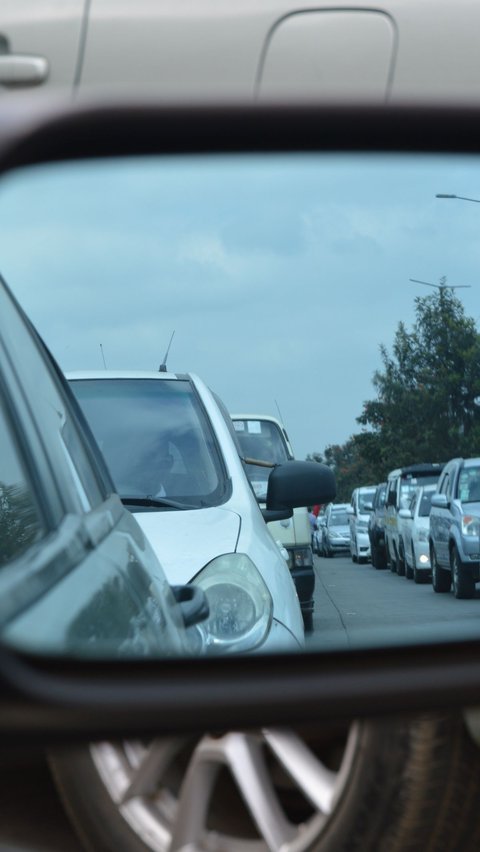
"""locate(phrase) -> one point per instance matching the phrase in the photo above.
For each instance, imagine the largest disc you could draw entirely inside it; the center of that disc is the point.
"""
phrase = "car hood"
(185, 541)
(344, 529)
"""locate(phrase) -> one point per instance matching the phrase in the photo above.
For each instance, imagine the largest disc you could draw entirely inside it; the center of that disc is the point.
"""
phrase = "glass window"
(20, 523)
(260, 439)
(155, 438)
(469, 485)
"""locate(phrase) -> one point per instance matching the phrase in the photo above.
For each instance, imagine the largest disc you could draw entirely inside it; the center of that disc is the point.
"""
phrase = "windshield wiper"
(157, 503)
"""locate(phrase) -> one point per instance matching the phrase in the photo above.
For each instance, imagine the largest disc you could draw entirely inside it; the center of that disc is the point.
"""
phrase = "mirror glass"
(311, 297)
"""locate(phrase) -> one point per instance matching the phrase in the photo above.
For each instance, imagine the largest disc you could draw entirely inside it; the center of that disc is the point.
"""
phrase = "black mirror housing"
(300, 483)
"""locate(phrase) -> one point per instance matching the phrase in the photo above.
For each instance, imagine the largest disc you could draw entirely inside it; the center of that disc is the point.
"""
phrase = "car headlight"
(241, 607)
(470, 525)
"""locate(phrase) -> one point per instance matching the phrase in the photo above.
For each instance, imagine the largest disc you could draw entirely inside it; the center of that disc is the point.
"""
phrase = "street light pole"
(458, 197)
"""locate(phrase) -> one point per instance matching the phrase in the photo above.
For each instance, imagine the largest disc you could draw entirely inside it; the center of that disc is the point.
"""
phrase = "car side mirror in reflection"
(440, 501)
(297, 483)
(193, 604)
(405, 514)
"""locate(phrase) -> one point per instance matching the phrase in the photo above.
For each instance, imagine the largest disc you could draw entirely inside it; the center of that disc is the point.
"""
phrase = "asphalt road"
(356, 605)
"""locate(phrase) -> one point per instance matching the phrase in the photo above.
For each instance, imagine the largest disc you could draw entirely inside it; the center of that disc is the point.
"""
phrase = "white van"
(264, 438)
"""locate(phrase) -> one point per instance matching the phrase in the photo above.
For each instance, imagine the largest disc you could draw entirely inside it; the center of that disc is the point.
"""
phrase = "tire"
(396, 786)
(462, 581)
(400, 561)
(441, 579)
(391, 560)
(408, 570)
(308, 621)
(379, 559)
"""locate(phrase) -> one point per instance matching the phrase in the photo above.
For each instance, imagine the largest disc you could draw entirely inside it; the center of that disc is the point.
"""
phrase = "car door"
(41, 44)
(440, 521)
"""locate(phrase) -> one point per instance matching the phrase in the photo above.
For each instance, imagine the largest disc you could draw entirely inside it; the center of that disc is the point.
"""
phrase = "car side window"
(20, 520)
(43, 386)
(444, 487)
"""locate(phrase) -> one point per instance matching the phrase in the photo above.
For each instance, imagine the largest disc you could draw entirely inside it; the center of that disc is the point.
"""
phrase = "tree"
(425, 405)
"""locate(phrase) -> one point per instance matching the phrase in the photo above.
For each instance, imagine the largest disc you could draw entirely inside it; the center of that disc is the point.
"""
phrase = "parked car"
(169, 444)
(264, 438)
(376, 527)
(416, 527)
(401, 485)
(359, 513)
(336, 530)
(68, 547)
(455, 529)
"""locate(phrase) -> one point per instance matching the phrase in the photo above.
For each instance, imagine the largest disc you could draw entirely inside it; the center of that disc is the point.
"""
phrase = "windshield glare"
(155, 438)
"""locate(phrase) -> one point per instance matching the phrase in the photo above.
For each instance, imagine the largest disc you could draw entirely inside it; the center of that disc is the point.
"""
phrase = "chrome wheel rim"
(174, 793)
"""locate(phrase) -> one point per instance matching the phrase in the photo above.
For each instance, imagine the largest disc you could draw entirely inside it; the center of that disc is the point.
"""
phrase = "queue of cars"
(424, 523)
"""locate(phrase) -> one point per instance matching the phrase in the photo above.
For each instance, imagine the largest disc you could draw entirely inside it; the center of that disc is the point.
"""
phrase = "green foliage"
(424, 409)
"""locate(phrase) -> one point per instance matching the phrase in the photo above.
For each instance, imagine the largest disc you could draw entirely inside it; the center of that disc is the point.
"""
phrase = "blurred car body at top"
(262, 437)
(252, 48)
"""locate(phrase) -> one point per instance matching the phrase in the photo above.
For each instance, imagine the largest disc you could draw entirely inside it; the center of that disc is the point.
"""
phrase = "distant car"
(416, 527)
(336, 530)
(455, 528)
(264, 438)
(376, 528)
(170, 446)
(401, 485)
(68, 547)
(359, 513)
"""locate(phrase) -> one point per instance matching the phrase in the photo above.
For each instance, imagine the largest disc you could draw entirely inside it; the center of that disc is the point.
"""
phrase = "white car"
(415, 528)
(359, 514)
(176, 466)
(263, 437)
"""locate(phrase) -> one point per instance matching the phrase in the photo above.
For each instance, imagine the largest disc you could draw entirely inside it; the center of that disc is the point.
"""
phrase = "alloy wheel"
(175, 793)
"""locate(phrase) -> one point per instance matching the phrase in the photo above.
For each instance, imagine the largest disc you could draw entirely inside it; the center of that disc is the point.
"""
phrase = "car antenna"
(103, 357)
(279, 413)
(163, 366)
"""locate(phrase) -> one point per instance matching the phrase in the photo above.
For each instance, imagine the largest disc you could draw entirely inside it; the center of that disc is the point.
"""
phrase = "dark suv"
(455, 529)
(376, 528)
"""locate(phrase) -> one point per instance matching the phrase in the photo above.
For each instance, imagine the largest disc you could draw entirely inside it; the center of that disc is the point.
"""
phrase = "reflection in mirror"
(316, 294)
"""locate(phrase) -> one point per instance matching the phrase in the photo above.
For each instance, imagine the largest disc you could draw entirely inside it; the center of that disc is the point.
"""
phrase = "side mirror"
(193, 604)
(405, 514)
(297, 483)
(440, 501)
(368, 507)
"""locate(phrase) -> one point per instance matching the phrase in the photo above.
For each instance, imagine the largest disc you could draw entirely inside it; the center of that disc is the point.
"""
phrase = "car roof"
(73, 375)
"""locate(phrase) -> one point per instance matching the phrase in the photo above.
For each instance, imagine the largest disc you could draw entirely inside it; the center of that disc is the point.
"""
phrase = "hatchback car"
(455, 529)
(170, 446)
(359, 513)
(416, 527)
(336, 530)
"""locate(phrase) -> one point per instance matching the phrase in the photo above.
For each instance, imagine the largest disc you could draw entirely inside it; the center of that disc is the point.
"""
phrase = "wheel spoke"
(242, 753)
(311, 776)
(144, 779)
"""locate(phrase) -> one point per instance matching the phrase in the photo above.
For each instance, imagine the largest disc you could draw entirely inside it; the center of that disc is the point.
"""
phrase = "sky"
(280, 275)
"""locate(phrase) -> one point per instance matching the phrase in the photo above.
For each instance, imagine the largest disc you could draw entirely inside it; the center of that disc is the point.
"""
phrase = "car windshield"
(260, 439)
(365, 499)
(155, 438)
(469, 485)
(338, 519)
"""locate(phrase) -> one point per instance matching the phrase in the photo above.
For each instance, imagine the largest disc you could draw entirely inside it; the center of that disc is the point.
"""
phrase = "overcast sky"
(280, 275)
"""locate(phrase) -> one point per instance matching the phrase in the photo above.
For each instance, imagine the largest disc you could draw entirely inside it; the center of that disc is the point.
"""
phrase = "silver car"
(455, 529)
